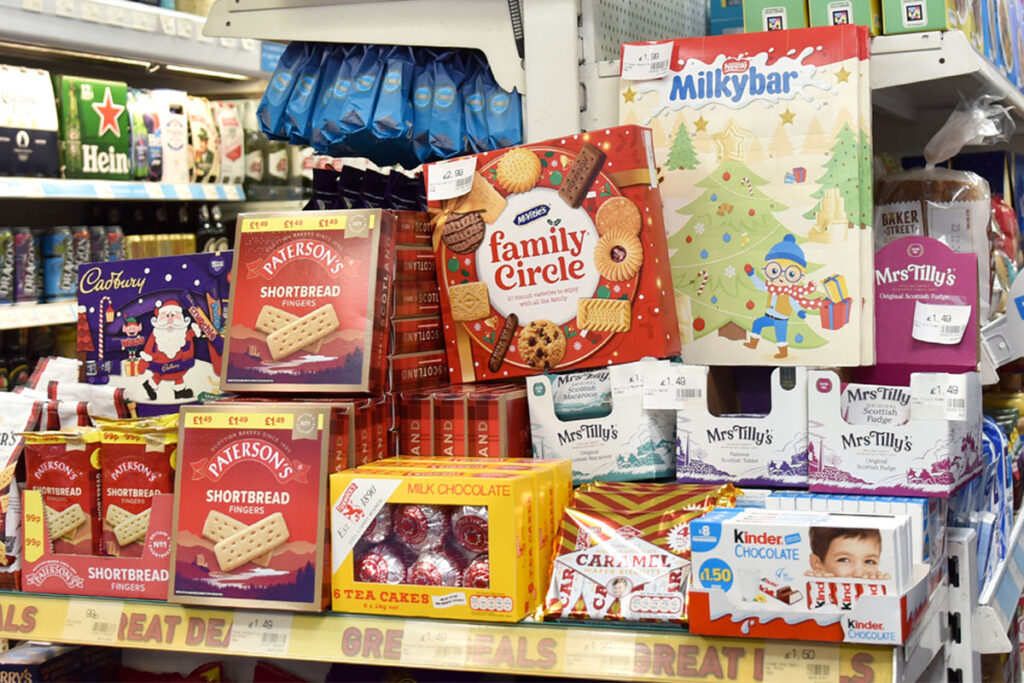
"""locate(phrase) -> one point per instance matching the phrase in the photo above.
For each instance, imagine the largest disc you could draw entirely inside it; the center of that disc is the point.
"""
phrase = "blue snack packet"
(504, 118)
(271, 110)
(330, 134)
(330, 67)
(422, 101)
(446, 116)
(303, 97)
(392, 117)
(357, 117)
(474, 103)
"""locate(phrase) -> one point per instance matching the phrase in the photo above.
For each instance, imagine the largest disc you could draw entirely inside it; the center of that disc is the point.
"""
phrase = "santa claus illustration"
(170, 351)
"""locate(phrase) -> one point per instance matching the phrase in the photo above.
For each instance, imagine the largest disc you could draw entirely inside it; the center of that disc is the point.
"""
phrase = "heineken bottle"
(73, 140)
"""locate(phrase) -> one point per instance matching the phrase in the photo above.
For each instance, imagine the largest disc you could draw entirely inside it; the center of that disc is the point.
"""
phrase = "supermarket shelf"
(551, 649)
(998, 603)
(34, 315)
(45, 188)
(127, 30)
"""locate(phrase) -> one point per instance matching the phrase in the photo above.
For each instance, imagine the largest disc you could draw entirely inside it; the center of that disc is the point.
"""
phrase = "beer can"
(27, 266)
(98, 242)
(6, 266)
(133, 246)
(115, 243)
(81, 241)
(60, 273)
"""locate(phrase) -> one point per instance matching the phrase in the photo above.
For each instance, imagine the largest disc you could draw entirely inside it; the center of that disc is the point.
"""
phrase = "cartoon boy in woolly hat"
(784, 267)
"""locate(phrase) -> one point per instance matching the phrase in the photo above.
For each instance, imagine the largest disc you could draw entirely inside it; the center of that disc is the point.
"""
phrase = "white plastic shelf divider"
(132, 30)
(998, 602)
(34, 315)
(53, 188)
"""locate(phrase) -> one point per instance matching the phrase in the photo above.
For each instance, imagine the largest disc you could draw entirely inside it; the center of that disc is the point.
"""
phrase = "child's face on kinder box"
(853, 553)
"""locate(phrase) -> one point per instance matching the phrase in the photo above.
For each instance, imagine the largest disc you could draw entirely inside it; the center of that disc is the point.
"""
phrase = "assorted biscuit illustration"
(618, 256)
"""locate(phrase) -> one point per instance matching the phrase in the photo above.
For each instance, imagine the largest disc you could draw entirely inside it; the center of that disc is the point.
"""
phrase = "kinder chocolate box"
(155, 327)
(309, 300)
(554, 258)
(249, 515)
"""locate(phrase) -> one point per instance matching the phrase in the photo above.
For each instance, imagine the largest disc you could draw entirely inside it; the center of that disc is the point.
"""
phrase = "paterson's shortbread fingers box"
(310, 294)
(250, 506)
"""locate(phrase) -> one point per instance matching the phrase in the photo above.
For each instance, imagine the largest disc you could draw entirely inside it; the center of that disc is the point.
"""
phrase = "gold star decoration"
(732, 142)
(701, 124)
(787, 117)
(629, 95)
(843, 76)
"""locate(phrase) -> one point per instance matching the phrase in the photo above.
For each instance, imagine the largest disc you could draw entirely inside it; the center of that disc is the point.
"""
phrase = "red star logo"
(108, 113)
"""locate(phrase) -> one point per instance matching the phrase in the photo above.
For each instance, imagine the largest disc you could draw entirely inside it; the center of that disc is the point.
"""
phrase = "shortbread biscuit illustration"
(502, 343)
(542, 344)
(482, 199)
(303, 332)
(219, 526)
(518, 170)
(463, 232)
(6, 474)
(272, 319)
(116, 515)
(618, 255)
(618, 213)
(251, 542)
(132, 529)
(469, 301)
(66, 521)
(604, 315)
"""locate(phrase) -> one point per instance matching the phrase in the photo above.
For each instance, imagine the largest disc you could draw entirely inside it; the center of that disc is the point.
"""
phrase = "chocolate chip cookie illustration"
(542, 344)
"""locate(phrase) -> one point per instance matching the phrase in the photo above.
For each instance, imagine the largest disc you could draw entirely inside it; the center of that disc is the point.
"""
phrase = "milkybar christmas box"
(95, 134)
(553, 257)
(764, 142)
(828, 576)
(155, 326)
(250, 504)
(443, 544)
(310, 295)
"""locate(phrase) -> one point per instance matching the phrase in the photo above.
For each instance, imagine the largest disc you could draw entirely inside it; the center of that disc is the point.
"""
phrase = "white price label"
(143, 21)
(210, 192)
(672, 386)
(154, 190)
(65, 8)
(103, 190)
(939, 323)
(938, 396)
(33, 188)
(809, 662)
(183, 191)
(32, 5)
(261, 633)
(117, 16)
(93, 621)
(424, 643)
(90, 11)
(611, 653)
(186, 28)
(229, 42)
(644, 62)
(249, 45)
(450, 179)
(168, 25)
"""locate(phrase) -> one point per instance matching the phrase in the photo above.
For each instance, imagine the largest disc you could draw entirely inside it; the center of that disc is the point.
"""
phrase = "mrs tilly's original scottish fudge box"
(554, 257)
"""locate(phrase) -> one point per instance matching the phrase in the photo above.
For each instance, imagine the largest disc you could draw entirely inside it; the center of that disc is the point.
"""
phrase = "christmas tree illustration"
(730, 230)
(682, 154)
(842, 171)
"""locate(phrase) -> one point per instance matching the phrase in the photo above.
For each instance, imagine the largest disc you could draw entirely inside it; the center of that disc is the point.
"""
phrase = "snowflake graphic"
(477, 327)
(730, 271)
(679, 538)
(512, 348)
(577, 346)
(617, 289)
(699, 228)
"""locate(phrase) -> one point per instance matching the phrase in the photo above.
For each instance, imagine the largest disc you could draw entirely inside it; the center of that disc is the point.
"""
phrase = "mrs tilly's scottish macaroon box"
(554, 257)
(310, 293)
(250, 505)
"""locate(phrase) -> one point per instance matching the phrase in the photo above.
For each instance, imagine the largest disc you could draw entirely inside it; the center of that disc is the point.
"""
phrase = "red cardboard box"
(323, 278)
(556, 259)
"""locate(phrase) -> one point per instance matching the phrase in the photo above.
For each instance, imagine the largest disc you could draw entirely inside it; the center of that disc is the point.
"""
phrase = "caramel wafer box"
(552, 256)
(310, 295)
(250, 506)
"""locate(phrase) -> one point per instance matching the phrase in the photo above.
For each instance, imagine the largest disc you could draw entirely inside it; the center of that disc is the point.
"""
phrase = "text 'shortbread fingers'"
(219, 526)
(581, 175)
(116, 515)
(67, 521)
(604, 315)
(502, 343)
(251, 542)
(303, 332)
(272, 319)
(132, 529)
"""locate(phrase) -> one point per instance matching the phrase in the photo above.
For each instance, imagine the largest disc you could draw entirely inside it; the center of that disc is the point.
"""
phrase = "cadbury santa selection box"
(310, 296)
(250, 506)
(155, 327)
(555, 258)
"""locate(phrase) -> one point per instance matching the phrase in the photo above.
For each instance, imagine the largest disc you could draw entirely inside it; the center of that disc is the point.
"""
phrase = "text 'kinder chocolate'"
(249, 511)
(556, 259)
(310, 296)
